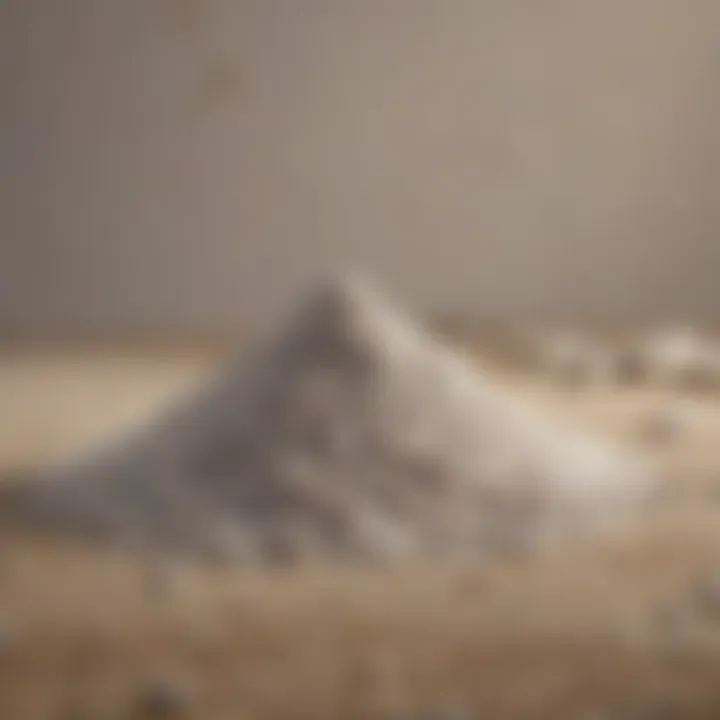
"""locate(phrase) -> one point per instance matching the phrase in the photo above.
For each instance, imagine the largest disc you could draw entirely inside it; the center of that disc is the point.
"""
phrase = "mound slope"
(352, 434)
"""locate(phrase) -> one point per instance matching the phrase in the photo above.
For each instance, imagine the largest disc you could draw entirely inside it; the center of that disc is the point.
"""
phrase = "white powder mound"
(353, 435)
(681, 357)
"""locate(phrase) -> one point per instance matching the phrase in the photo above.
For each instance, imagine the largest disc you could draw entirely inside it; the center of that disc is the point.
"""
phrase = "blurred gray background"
(180, 165)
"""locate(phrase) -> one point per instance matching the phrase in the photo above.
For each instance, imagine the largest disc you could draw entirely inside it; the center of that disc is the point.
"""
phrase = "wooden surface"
(619, 631)
(56, 403)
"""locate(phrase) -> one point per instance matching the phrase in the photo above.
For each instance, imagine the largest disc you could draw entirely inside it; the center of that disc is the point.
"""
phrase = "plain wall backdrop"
(174, 165)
